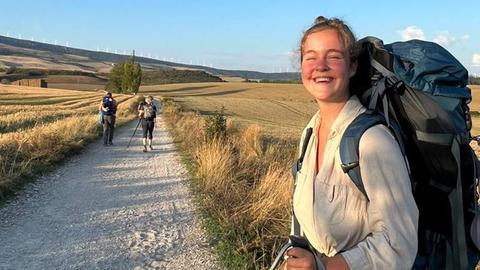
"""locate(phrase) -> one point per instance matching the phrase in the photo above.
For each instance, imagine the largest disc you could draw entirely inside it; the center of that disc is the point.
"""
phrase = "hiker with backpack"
(391, 187)
(108, 110)
(344, 229)
(147, 112)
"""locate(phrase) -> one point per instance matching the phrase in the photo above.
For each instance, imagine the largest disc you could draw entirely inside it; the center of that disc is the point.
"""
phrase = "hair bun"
(320, 19)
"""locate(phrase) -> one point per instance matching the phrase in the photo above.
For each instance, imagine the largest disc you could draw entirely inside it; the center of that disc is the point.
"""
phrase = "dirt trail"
(108, 208)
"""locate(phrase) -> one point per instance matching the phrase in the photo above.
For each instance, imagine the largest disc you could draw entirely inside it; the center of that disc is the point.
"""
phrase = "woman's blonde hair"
(344, 32)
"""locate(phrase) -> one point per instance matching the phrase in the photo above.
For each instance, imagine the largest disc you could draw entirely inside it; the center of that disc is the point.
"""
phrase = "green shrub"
(216, 125)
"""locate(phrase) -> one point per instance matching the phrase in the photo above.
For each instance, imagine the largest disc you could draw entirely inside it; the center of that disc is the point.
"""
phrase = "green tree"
(115, 78)
(125, 77)
(136, 77)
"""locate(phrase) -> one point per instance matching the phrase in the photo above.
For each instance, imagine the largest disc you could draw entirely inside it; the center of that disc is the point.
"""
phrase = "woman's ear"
(353, 68)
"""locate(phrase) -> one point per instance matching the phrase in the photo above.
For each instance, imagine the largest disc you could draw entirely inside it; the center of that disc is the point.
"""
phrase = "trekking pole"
(139, 120)
(280, 256)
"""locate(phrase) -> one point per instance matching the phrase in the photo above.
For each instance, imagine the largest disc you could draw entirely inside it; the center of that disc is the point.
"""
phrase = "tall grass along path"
(107, 208)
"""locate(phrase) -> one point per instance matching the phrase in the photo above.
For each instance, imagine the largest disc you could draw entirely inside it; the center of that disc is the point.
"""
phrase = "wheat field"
(41, 126)
(281, 110)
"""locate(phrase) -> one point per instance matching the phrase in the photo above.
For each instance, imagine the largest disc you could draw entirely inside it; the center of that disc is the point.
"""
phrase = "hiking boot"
(151, 148)
(144, 148)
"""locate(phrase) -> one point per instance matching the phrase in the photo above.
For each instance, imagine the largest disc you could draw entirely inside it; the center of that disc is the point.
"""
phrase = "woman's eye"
(335, 56)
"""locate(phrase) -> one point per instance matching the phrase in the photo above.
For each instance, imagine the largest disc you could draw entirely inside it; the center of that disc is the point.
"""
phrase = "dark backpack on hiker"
(148, 111)
(418, 90)
(107, 103)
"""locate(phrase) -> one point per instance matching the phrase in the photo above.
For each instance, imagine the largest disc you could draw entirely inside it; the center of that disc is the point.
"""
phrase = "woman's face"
(326, 67)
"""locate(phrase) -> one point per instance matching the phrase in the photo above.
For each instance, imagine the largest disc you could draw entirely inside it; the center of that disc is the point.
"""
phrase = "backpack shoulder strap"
(296, 229)
(298, 164)
(349, 145)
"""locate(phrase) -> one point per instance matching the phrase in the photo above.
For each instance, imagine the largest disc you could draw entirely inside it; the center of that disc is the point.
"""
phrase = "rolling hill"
(22, 53)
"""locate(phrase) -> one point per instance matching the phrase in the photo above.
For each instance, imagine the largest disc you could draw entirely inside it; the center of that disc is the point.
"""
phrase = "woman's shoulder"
(378, 138)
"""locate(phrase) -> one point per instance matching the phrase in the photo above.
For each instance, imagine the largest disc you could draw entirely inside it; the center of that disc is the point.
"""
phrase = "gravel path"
(108, 208)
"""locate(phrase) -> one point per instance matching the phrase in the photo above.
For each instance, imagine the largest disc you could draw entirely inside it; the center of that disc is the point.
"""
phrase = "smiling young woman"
(347, 230)
(326, 67)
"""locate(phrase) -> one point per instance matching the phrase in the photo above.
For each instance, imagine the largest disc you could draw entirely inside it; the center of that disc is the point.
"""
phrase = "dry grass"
(34, 137)
(246, 183)
(249, 143)
(215, 161)
(475, 107)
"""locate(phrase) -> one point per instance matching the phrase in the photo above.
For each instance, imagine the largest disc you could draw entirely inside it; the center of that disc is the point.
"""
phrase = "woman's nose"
(321, 65)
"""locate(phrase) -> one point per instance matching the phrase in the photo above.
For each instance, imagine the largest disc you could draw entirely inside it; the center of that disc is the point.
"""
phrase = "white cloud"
(476, 60)
(443, 39)
(412, 32)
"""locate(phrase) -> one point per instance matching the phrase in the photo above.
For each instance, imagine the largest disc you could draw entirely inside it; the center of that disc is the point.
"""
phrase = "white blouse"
(337, 218)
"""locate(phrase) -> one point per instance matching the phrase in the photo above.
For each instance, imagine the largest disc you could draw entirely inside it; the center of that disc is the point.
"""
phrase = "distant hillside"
(177, 76)
(80, 80)
(32, 54)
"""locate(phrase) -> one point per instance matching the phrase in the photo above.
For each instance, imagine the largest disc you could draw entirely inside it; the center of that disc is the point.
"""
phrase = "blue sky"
(251, 35)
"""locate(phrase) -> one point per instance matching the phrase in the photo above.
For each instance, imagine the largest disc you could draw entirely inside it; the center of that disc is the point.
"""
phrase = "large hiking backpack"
(419, 91)
(108, 104)
(148, 111)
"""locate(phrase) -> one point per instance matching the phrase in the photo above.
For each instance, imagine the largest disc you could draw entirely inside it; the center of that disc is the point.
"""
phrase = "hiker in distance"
(343, 227)
(108, 108)
(147, 112)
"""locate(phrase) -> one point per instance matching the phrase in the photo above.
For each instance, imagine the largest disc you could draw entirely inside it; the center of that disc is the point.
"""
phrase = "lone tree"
(125, 77)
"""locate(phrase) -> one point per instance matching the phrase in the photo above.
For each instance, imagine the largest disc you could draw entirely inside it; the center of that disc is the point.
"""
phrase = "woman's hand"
(300, 259)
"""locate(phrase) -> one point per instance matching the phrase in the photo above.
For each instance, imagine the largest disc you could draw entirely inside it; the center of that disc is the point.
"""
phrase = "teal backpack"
(419, 90)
